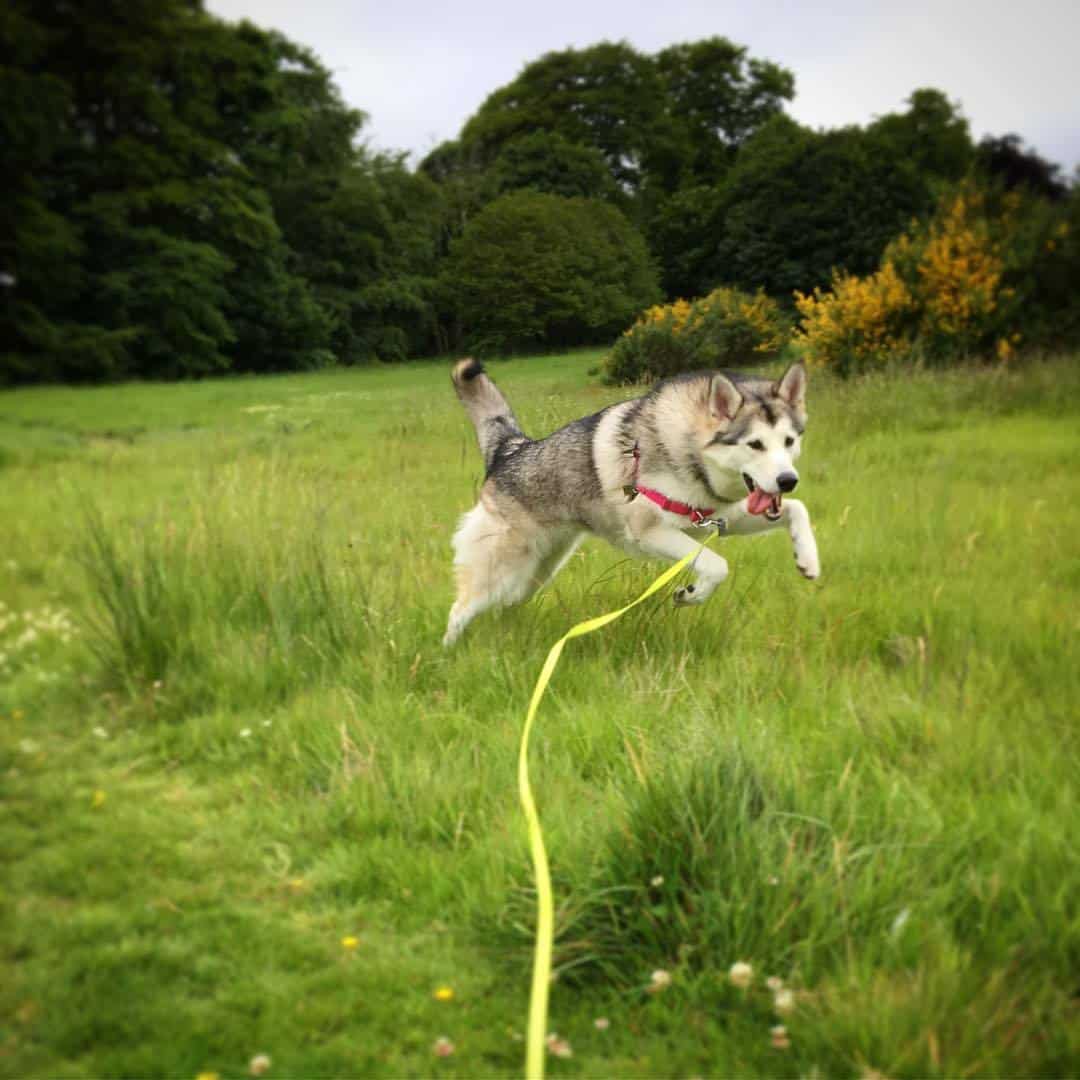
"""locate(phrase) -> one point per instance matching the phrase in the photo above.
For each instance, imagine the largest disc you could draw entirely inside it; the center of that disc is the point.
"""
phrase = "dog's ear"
(724, 397)
(792, 387)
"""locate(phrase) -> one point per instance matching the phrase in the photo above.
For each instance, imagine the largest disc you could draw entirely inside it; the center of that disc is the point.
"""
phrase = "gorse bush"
(978, 279)
(727, 328)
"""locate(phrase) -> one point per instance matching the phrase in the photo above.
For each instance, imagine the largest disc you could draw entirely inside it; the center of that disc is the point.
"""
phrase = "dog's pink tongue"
(758, 501)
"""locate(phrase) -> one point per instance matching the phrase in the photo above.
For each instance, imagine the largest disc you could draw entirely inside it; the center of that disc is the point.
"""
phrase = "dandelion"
(741, 975)
(98, 799)
(349, 942)
(444, 993)
(601, 1023)
(783, 1002)
(442, 1047)
(259, 1064)
(207, 1076)
(659, 980)
(779, 1037)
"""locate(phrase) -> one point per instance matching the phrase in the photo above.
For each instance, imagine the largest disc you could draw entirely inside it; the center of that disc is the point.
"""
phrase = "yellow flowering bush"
(724, 329)
(857, 323)
(941, 293)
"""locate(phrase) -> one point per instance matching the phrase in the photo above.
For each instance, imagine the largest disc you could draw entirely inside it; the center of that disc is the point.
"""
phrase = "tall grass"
(255, 746)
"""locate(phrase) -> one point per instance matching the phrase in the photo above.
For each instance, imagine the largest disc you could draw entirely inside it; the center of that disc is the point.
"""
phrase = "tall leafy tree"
(607, 96)
(716, 97)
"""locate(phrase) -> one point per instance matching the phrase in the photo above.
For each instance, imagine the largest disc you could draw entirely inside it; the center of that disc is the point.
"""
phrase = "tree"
(932, 135)
(798, 204)
(716, 98)
(533, 270)
(545, 161)
(1004, 159)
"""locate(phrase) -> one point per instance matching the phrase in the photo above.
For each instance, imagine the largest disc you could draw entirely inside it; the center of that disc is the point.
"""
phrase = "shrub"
(859, 322)
(727, 328)
(533, 270)
(984, 276)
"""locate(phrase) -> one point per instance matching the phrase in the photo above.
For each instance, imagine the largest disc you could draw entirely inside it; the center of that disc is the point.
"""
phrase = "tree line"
(188, 196)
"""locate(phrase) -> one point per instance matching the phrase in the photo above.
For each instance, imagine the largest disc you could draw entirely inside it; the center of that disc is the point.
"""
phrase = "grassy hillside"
(251, 806)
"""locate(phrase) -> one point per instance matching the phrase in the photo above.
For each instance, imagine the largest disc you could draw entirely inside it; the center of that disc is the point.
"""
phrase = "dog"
(640, 473)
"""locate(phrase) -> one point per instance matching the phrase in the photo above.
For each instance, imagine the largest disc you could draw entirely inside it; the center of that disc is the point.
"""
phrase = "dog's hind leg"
(494, 564)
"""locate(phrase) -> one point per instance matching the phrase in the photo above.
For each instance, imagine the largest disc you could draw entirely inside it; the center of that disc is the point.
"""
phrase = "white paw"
(808, 565)
(688, 596)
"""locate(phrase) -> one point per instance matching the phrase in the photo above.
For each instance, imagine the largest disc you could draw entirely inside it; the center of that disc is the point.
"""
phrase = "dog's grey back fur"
(557, 477)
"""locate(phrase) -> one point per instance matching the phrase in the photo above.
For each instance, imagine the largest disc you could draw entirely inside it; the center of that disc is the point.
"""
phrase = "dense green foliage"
(230, 739)
(187, 196)
(533, 269)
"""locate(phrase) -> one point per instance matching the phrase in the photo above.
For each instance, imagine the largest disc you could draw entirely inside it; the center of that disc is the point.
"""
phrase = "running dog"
(638, 474)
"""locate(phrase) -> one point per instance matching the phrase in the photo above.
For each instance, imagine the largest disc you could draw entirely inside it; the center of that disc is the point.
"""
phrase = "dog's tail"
(489, 411)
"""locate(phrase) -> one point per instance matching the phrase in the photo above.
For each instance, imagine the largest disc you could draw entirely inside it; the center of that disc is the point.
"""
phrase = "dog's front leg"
(710, 568)
(796, 517)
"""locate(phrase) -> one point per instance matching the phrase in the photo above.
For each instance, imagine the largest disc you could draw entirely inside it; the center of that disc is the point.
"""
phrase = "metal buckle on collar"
(703, 523)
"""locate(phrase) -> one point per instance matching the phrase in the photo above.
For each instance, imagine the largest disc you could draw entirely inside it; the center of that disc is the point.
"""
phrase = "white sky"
(420, 69)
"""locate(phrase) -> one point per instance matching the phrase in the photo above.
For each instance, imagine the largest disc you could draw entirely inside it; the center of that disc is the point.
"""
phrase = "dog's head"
(758, 434)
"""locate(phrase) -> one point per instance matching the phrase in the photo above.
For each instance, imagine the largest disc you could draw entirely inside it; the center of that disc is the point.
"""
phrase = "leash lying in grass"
(545, 913)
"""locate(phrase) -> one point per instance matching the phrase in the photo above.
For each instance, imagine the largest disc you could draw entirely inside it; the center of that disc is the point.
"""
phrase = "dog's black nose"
(786, 481)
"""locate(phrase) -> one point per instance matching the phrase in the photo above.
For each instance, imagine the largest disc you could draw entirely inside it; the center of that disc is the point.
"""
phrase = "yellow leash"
(545, 914)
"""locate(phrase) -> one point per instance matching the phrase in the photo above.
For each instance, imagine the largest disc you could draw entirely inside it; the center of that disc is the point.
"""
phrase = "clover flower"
(259, 1064)
(741, 974)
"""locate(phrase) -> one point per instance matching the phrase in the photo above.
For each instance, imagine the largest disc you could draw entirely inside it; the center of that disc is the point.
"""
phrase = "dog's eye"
(756, 444)
(789, 441)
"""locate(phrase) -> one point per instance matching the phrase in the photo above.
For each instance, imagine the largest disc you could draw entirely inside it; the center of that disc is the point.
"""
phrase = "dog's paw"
(688, 596)
(809, 567)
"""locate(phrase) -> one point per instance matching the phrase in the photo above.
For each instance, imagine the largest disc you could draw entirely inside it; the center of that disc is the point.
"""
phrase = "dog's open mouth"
(761, 502)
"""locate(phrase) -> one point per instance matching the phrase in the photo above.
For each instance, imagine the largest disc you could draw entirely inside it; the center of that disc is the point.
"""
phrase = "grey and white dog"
(698, 449)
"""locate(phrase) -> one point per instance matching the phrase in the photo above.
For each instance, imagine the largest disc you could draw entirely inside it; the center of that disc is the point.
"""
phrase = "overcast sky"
(419, 70)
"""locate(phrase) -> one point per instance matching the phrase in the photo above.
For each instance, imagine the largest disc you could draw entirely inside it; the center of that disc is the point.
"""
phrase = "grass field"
(251, 806)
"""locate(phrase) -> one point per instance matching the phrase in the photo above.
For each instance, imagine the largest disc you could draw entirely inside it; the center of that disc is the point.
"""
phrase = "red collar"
(698, 515)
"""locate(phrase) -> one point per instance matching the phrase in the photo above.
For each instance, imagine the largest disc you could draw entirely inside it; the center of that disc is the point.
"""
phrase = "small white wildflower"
(442, 1047)
(558, 1047)
(28, 746)
(779, 1036)
(783, 1002)
(657, 881)
(601, 1023)
(259, 1064)
(101, 733)
(659, 980)
(741, 974)
(245, 733)
(774, 983)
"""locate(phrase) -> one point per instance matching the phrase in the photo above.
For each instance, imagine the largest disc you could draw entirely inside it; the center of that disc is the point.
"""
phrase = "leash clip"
(704, 523)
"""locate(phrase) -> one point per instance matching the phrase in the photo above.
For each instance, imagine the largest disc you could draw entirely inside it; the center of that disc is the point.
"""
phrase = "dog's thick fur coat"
(705, 439)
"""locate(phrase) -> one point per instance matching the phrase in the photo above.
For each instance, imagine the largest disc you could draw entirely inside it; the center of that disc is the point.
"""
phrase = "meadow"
(251, 806)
